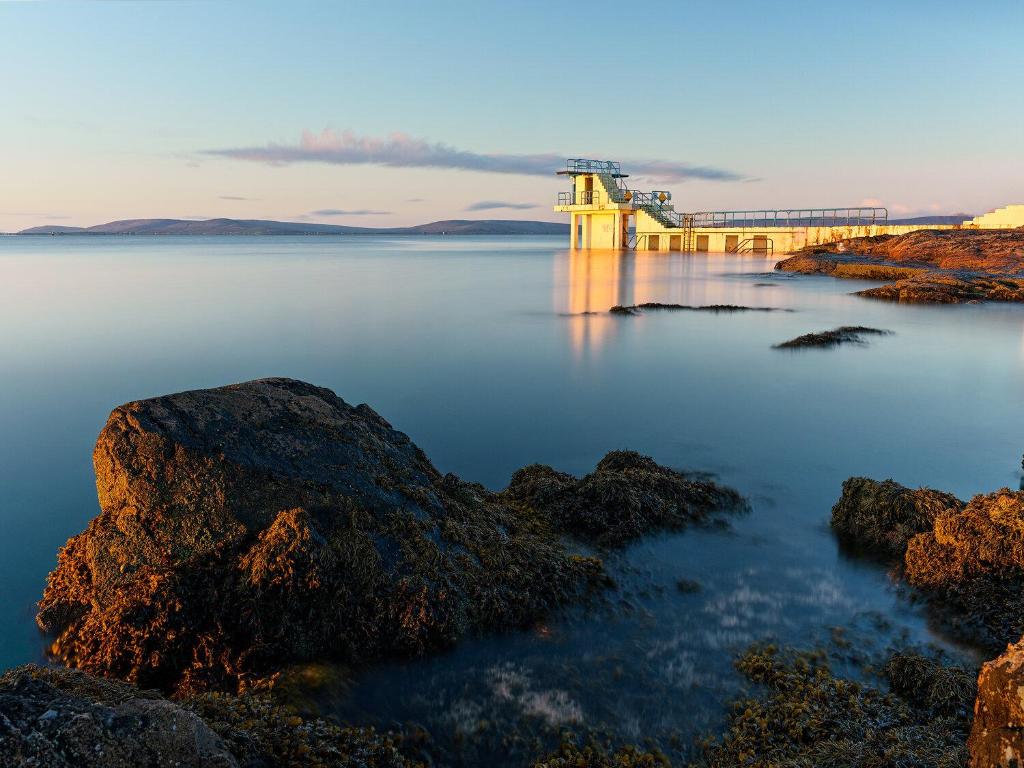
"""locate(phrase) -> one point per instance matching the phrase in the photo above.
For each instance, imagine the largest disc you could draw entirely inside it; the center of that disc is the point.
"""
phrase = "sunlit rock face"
(972, 563)
(955, 266)
(254, 525)
(997, 735)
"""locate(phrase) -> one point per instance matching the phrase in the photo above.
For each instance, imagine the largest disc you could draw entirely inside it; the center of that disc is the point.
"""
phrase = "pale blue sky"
(119, 110)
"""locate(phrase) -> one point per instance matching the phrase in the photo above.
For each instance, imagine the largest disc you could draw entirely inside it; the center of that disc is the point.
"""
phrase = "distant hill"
(261, 227)
(953, 218)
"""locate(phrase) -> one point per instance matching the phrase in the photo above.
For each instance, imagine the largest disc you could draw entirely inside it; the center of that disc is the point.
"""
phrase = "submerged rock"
(61, 718)
(997, 734)
(884, 516)
(626, 496)
(811, 717)
(251, 526)
(847, 334)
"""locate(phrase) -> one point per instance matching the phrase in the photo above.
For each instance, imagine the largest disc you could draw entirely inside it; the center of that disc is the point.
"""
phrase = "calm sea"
(479, 349)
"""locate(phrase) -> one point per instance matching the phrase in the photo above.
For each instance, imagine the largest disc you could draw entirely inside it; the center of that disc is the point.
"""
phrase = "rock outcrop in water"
(254, 526)
(927, 266)
(250, 526)
(626, 496)
(846, 334)
(997, 734)
(636, 309)
(884, 516)
(968, 559)
(61, 718)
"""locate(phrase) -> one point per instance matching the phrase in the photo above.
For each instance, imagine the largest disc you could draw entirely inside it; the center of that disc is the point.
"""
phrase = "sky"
(396, 113)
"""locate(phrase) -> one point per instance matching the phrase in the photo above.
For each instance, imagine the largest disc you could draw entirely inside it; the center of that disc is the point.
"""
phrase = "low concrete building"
(604, 213)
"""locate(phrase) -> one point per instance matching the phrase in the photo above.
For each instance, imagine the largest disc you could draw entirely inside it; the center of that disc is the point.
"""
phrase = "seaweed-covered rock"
(250, 526)
(61, 718)
(716, 309)
(972, 563)
(811, 718)
(626, 496)
(997, 735)
(846, 334)
(883, 516)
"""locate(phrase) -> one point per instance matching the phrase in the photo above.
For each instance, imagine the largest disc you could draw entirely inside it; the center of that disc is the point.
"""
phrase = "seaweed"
(807, 717)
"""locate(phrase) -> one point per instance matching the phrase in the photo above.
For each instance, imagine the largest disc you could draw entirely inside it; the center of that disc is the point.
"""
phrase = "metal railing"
(582, 165)
(584, 197)
(792, 217)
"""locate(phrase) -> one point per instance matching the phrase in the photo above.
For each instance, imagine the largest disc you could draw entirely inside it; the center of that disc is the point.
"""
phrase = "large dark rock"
(997, 734)
(883, 516)
(61, 718)
(626, 496)
(254, 525)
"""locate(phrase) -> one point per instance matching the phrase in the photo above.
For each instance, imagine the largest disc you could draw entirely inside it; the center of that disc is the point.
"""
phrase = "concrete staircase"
(1007, 217)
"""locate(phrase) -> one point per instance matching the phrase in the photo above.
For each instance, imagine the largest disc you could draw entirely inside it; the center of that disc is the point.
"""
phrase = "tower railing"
(583, 165)
(583, 197)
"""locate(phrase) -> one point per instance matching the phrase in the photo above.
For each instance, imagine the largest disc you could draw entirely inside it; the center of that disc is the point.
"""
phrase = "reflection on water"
(481, 350)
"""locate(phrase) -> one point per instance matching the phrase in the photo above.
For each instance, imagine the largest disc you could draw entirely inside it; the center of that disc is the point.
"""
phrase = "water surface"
(480, 349)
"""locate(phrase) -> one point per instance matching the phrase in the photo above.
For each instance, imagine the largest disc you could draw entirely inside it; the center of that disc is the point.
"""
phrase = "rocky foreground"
(248, 529)
(251, 527)
(925, 267)
(967, 560)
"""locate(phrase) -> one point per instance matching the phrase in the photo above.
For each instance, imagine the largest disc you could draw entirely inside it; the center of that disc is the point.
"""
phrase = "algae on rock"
(626, 496)
(810, 718)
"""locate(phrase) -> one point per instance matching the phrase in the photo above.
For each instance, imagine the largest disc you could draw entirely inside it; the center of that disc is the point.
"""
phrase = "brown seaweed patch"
(636, 309)
(846, 334)
(625, 497)
(808, 716)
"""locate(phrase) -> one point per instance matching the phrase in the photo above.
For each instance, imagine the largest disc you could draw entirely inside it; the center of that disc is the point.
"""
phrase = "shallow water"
(479, 349)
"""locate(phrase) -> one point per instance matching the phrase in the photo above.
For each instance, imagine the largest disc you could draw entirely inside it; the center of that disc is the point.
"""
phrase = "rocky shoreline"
(249, 530)
(925, 267)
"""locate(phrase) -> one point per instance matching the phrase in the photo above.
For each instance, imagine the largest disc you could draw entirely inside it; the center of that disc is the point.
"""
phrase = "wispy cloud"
(400, 150)
(490, 205)
(342, 212)
(48, 216)
(237, 197)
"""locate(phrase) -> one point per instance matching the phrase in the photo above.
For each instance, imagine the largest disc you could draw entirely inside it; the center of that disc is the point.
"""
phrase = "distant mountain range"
(265, 227)
(262, 227)
(953, 218)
